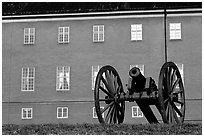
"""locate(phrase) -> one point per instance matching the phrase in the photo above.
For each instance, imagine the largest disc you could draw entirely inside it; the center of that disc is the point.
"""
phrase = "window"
(63, 35)
(27, 113)
(140, 66)
(63, 78)
(136, 112)
(136, 32)
(62, 112)
(94, 112)
(28, 79)
(95, 70)
(98, 33)
(175, 31)
(29, 35)
(180, 67)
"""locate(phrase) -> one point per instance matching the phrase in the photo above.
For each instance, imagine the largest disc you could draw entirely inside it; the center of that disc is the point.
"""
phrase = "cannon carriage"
(168, 96)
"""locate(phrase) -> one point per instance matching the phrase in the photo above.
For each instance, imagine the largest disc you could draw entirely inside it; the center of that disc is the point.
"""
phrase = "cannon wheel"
(108, 87)
(171, 94)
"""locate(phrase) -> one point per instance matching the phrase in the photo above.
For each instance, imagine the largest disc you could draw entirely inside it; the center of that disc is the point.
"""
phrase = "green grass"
(97, 129)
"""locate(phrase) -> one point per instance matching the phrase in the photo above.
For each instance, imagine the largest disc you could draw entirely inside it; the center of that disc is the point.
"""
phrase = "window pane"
(24, 113)
(26, 31)
(29, 113)
(60, 30)
(66, 29)
(101, 28)
(95, 37)
(133, 28)
(65, 112)
(26, 39)
(95, 28)
(32, 31)
(59, 112)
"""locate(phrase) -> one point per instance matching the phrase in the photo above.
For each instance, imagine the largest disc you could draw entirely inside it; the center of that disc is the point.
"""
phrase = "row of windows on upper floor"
(63, 76)
(98, 33)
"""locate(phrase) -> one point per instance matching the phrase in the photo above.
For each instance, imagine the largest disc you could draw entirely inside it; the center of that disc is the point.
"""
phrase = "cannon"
(168, 96)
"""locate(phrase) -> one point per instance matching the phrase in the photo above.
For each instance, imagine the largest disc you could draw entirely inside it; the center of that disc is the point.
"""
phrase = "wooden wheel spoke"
(116, 83)
(105, 91)
(170, 114)
(179, 102)
(172, 76)
(118, 89)
(175, 117)
(112, 114)
(175, 83)
(106, 85)
(118, 116)
(168, 79)
(167, 111)
(178, 92)
(176, 109)
(165, 101)
(108, 114)
(106, 107)
(110, 81)
(108, 99)
(115, 115)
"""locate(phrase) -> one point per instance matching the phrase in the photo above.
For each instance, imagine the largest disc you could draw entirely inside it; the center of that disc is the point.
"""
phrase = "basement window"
(136, 112)
(62, 112)
(27, 113)
(94, 112)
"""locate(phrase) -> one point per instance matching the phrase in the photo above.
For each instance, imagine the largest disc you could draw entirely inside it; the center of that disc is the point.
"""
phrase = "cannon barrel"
(137, 80)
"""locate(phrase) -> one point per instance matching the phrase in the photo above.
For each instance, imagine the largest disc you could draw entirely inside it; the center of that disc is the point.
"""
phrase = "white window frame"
(136, 32)
(97, 33)
(63, 34)
(26, 113)
(60, 79)
(27, 78)
(94, 113)
(63, 109)
(138, 112)
(175, 31)
(93, 77)
(140, 66)
(29, 33)
(181, 70)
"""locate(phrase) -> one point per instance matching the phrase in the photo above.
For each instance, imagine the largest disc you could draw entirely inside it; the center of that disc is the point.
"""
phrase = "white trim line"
(184, 15)
(88, 13)
(177, 10)
(81, 18)
(99, 13)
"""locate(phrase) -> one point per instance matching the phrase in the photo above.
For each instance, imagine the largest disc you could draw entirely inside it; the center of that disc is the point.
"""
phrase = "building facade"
(49, 62)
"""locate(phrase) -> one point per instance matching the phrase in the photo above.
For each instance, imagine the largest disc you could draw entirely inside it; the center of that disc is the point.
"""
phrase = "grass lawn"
(97, 129)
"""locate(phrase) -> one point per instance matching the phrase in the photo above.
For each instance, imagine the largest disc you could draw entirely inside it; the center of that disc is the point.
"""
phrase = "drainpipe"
(165, 45)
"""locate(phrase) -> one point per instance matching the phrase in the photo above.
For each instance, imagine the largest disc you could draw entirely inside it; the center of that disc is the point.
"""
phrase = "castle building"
(50, 61)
